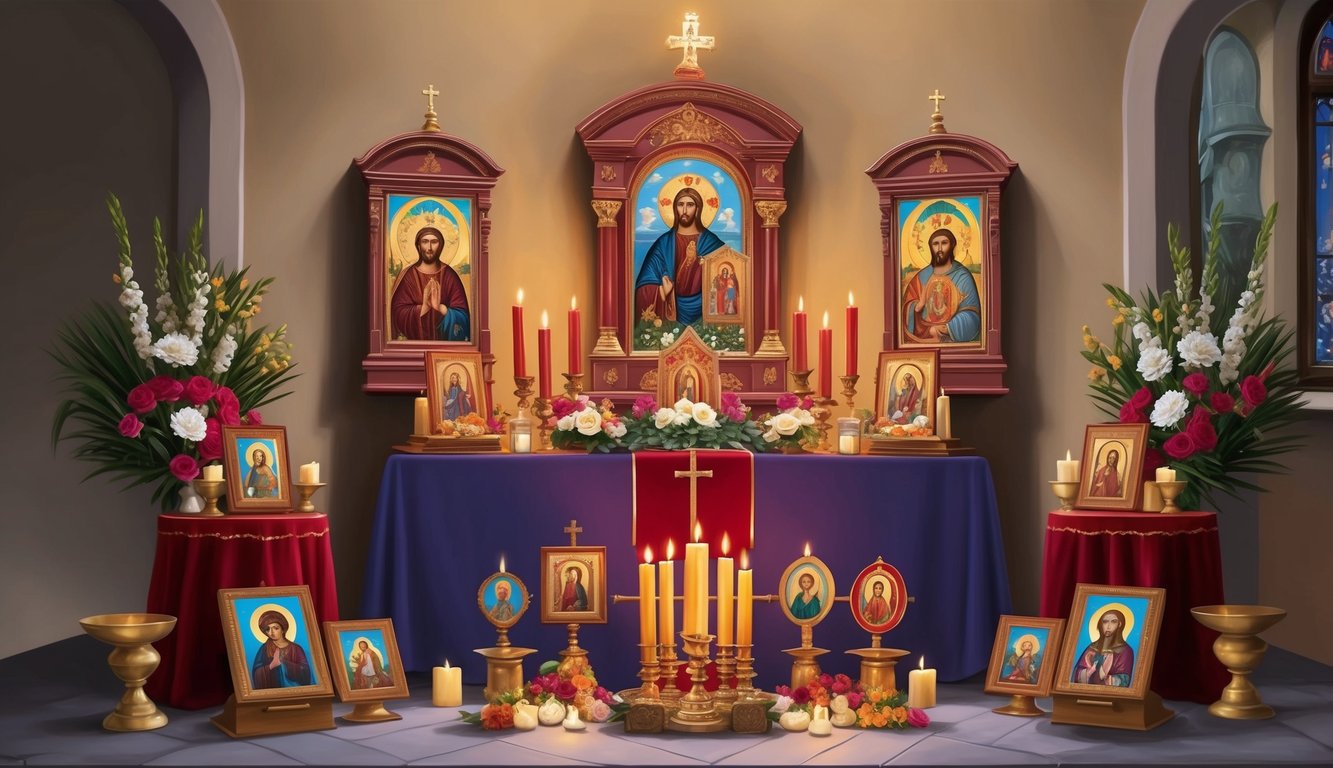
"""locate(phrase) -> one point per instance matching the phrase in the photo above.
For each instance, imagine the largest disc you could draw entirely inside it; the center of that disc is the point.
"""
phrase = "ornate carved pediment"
(732, 383)
(689, 124)
(689, 369)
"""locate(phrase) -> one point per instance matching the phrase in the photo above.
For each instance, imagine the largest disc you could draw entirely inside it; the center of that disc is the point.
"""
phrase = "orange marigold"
(496, 717)
(900, 714)
(864, 714)
(880, 718)
(581, 682)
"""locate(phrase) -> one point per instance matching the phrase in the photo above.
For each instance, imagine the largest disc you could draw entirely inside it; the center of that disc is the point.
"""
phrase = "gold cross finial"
(937, 119)
(936, 97)
(432, 124)
(690, 40)
(694, 473)
(573, 530)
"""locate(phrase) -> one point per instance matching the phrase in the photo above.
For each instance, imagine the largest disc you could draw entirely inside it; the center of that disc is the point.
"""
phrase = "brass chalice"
(1066, 491)
(133, 660)
(1240, 650)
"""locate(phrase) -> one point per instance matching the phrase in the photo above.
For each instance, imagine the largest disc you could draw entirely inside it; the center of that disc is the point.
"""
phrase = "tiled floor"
(56, 697)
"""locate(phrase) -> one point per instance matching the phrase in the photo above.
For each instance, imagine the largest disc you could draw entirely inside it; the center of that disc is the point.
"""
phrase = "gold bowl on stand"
(1240, 650)
(133, 660)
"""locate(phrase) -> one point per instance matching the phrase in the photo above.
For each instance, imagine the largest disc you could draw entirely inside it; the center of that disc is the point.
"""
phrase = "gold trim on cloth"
(1105, 532)
(255, 536)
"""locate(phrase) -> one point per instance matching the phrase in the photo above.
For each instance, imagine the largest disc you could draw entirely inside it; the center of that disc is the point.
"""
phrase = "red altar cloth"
(1180, 552)
(197, 556)
(662, 501)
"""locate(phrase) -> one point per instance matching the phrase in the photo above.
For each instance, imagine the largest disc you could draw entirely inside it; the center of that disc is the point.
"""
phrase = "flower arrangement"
(1215, 409)
(652, 332)
(147, 397)
(688, 424)
(580, 424)
(918, 427)
(469, 425)
(850, 704)
(793, 427)
(558, 688)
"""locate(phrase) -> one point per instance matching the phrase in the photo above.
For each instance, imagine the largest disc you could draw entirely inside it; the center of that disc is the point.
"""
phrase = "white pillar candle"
(213, 472)
(1066, 471)
(421, 417)
(943, 417)
(447, 686)
(310, 472)
(921, 687)
(1166, 475)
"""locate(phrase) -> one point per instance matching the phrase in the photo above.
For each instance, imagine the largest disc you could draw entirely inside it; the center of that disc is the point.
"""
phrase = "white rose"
(1199, 349)
(782, 704)
(683, 405)
(565, 423)
(189, 424)
(784, 424)
(770, 436)
(1154, 363)
(1169, 409)
(683, 417)
(805, 417)
(704, 414)
(1142, 332)
(665, 417)
(616, 430)
(588, 421)
(177, 349)
(921, 421)
(795, 721)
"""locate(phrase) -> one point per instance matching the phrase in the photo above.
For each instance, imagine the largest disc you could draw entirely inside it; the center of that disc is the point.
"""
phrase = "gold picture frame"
(791, 590)
(727, 288)
(265, 667)
(258, 472)
(503, 599)
(1106, 483)
(907, 381)
(573, 585)
(455, 387)
(1110, 641)
(367, 666)
(1025, 657)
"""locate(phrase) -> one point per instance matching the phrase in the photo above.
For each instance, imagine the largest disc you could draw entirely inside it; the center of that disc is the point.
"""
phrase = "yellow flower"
(1097, 373)
(880, 719)
(1090, 341)
(1157, 314)
(245, 281)
(221, 305)
(243, 314)
(1110, 302)
(1114, 361)
(255, 311)
(1118, 320)
(900, 714)
(217, 282)
(115, 278)
(1086, 330)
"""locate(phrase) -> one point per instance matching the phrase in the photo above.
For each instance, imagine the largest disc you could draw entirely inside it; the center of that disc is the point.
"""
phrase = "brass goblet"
(1170, 490)
(1066, 491)
(133, 660)
(211, 490)
(1240, 650)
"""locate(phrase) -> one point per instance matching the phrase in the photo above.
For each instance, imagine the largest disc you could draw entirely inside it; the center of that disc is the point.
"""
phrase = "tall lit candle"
(726, 577)
(921, 686)
(745, 602)
(1066, 470)
(800, 361)
(520, 349)
(666, 604)
(575, 336)
(826, 360)
(544, 358)
(943, 417)
(647, 603)
(447, 686)
(421, 416)
(852, 321)
(696, 585)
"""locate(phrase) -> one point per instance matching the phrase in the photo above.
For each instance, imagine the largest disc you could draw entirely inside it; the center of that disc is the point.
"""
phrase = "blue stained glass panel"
(1323, 311)
(1323, 189)
(1323, 60)
(1323, 111)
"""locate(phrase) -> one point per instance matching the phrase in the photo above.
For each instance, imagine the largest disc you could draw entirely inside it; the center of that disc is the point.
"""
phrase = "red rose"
(1253, 391)
(165, 388)
(141, 399)
(1196, 384)
(1200, 429)
(229, 408)
(210, 447)
(800, 695)
(252, 417)
(1222, 402)
(1131, 415)
(1180, 446)
(1152, 459)
(1142, 399)
(185, 468)
(130, 426)
(199, 390)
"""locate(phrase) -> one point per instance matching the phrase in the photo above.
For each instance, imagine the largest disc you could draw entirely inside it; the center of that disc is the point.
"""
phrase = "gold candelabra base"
(133, 660)
(670, 666)
(573, 385)
(523, 391)
(542, 410)
(1170, 491)
(608, 344)
(650, 671)
(771, 345)
(804, 668)
(745, 673)
(504, 668)
(822, 411)
(801, 383)
(1240, 650)
(726, 673)
(698, 712)
(572, 656)
(306, 491)
(211, 490)
(849, 390)
(1021, 706)
(1066, 491)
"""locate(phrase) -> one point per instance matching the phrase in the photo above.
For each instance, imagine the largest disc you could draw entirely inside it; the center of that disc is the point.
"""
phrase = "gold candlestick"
(573, 385)
(523, 391)
(650, 670)
(572, 655)
(849, 390)
(1240, 650)
(878, 664)
(726, 673)
(211, 490)
(1066, 491)
(1170, 490)
(805, 668)
(305, 491)
(822, 411)
(698, 711)
(133, 660)
(745, 672)
(801, 383)
(669, 665)
(541, 408)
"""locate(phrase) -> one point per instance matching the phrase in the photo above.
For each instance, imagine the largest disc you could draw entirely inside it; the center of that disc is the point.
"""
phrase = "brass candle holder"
(573, 385)
(211, 490)
(822, 411)
(306, 491)
(849, 389)
(804, 668)
(1170, 490)
(523, 391)
(878, 664)
(1066, 491)
(650, 671)
(745, 672)
(698, 712)
(670, 666)
(504, 660)
(726, 673)
(1240, 650)
(801, 383)
(541, 409)
(133, 660)
(572, 653)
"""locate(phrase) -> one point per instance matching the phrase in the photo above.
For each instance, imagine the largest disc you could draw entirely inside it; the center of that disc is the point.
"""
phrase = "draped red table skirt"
(197, 556)
(1180, 552)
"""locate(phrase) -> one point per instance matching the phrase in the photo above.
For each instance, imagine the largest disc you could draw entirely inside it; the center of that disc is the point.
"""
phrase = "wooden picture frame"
(1115, 666)
(366, 663)
(907, 382)
(878, 598)
(573, 585)
(258, 472)
(728, 288)
(254, 622)
(455, 388)
(1025, 657)
(503, 599)
(791, 588)
(1112, 466)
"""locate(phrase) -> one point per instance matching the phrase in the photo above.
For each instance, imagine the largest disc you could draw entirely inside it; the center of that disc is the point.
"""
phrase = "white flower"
(684, 405)
(1199, 349)
(771, 436)
(1154, 363)
(1142, 332)
(223, 353)
(782, 705)
(565, 423)
(839, 704)
(177, 349)
(665, 417)
(614, 430)
(921, 421)
(683, 417)
(1169, 409)
(704, 414)
(784, 424)
(802, 415)
(588, 421)
(189, 424)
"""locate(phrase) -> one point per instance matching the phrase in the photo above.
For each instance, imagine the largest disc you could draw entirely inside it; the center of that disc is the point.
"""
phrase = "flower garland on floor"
(561, 690)
(849, 702)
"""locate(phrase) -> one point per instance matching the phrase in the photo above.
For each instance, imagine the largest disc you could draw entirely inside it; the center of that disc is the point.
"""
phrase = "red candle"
(826, 360)
(520, 352)
(852, 312)
(575, 337)
(544, 359)
(798, 356)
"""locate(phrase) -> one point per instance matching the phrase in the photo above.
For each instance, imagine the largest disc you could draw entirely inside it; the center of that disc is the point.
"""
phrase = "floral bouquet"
(692, 425)
(918, 427)
(147, 397)
(793, 428)
(580, 424)
(548, 698)
(468, 425)
(652, 333)
(1215, 409)
(849, 704)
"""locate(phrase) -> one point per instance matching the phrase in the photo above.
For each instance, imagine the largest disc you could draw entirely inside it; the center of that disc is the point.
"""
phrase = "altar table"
(1180, 552)
(197, 556)
(443, 522)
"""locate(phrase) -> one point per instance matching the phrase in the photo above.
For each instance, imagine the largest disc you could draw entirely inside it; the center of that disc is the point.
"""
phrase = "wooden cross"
(936, 97)
(694, 473)
(573, 530)
(690, 40)
(430, 93)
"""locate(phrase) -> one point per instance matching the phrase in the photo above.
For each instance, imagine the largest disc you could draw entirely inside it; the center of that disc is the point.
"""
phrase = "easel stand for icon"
(1131, 714)
(265, 718)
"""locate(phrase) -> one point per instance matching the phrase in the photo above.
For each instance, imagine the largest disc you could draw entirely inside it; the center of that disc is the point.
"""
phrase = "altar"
(442, 523)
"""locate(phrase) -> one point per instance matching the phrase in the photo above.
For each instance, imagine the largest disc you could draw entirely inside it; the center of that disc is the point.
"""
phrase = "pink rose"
(229, 408)
(807, 403)
(644, 405)
(1222, 402)
(1131, 415)
(185, 468)
(565, 690)
(210, 447)
(600, 711)
(854, 699)
(1201, 431)
(841, 684)
(130, 426)
(1196, 384)
(1180, 446)
(562, 407)
(199, 390)
(141, 399)
(917, 718)
(252, 417)
(825, 680)
(782, 690)
(166, 389)
(1253, 391)
(787, 401)
(1142, 399)
(800, 695)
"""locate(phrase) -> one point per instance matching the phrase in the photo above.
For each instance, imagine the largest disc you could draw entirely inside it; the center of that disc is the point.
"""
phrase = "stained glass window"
(1315, 334)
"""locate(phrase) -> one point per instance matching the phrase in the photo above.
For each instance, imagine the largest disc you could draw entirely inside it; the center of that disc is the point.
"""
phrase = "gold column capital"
(606, 212)
(770, 211)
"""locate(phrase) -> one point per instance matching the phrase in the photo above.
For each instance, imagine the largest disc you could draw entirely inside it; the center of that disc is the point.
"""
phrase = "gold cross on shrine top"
(936, 97)
(573, 530)
(431, 124)
(694, 473)
(690, 40)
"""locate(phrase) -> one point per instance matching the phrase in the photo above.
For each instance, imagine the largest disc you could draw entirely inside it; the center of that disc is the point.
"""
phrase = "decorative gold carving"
(938, 165)
(732, 383)
(606, 211)
(690, 40)
(770, 375)
(649, 380)
(749, 717)
(689, 124)
(431, 124)
(770, 211)
(611, 377)
(645, 717)
(608, 173)
(429, 164)
(770, 173)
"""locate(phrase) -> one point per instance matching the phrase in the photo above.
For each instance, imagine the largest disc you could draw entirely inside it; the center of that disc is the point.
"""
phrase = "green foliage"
(654, 333)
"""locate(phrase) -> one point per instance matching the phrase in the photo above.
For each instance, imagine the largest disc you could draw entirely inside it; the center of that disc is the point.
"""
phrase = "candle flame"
(520, 297)
(546, 322)
(800, 304)
(726, 544)
(671, 549)
(851, 302)
(745, 560)
(573, 302)
(922, 663)
(1067, 456)
(647, 554)
(807, 549)
(502, 563)
(446, 663)
(826, 318)
(698, 533)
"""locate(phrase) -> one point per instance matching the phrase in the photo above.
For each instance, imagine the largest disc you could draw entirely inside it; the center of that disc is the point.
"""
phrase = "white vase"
(191, 502)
